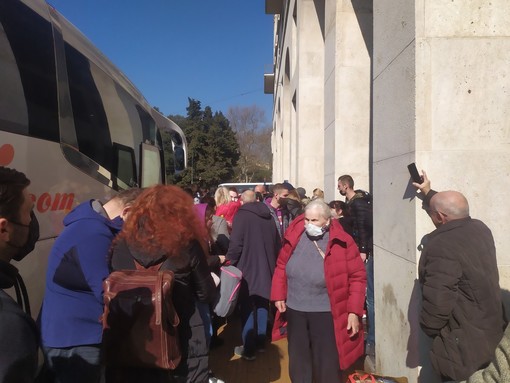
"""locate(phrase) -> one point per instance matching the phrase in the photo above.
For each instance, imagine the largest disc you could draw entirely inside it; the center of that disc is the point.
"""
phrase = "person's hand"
(222, 259)
(281, 306)
(363, 257)
(352, 324)
(424, 187)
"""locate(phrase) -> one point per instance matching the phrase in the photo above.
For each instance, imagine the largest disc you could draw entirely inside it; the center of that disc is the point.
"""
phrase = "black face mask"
(33, 237)
(283, 201)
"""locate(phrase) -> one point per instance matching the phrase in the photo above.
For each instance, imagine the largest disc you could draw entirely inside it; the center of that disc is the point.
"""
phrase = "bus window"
(125, 167)
(148, 126)
(90, 121)
(150, 165)
(179, 159)
(106, 118)
(28, 102)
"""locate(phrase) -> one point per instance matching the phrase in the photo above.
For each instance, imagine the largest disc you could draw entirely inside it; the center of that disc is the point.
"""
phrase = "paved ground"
(270, 366)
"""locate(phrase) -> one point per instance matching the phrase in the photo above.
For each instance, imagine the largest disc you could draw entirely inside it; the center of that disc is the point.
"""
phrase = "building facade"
(365, 88)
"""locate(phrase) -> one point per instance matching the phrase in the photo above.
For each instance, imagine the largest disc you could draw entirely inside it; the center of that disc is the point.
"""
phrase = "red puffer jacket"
(228, 211)
(345, 280)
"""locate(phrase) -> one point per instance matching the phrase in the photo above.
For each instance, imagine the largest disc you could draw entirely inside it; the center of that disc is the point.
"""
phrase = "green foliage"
(237, 149)
(213, 151)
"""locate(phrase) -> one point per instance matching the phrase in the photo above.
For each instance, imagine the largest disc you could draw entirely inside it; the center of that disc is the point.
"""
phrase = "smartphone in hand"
(413, 171)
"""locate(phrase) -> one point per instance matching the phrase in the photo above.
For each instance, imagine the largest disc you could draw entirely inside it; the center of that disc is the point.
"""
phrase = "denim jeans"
(369, 267)
(254, 315)
(205, 314)
(80, 364)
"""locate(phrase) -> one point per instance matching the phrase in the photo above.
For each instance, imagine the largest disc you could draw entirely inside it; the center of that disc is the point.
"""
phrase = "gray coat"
(462, 309)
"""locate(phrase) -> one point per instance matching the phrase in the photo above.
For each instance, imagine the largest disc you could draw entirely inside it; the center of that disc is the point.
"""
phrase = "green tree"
(213, 151)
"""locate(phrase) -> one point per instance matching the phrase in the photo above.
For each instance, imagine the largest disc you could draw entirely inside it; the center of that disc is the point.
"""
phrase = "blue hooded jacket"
(77, 266)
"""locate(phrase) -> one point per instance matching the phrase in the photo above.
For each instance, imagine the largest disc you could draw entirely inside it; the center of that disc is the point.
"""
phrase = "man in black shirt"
(359, 208)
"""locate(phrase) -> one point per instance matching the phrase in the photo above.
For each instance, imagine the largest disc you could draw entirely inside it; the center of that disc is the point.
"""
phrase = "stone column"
(347, 93)
(440, 99)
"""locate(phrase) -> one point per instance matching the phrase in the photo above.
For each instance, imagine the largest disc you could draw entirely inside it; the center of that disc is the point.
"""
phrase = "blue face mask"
(313, 231)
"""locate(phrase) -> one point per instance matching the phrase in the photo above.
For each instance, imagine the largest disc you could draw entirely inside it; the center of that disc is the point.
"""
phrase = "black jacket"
(359, 209)
(254, 246)
(19, 339)
(193, 282)
(462, 309)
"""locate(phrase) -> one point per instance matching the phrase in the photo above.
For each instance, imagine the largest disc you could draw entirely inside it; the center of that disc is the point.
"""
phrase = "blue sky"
(213, 51)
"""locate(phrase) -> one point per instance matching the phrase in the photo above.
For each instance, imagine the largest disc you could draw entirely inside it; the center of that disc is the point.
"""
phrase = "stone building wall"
(367, 90)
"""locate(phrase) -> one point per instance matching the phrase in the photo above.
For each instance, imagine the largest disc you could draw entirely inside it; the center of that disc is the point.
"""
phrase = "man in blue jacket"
(73, 300)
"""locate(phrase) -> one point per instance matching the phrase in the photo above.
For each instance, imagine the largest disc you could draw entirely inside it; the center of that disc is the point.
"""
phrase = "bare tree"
(254, 139)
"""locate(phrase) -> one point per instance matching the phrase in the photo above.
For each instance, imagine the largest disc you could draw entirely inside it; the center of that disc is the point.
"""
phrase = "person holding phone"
(461, 310)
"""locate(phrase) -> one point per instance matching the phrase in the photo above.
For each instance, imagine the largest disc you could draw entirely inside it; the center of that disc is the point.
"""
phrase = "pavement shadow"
(269, 366)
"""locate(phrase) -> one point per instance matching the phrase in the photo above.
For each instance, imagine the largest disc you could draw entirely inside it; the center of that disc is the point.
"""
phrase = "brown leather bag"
(139, 319)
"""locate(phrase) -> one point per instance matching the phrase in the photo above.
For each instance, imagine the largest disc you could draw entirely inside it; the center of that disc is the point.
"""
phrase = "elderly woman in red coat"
(319, 283)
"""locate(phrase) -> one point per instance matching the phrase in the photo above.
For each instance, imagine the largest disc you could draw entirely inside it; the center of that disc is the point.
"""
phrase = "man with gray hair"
(248, 196)
(462, 309)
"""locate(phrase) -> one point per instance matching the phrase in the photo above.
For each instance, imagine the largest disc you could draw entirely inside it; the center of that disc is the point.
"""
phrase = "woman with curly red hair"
(162, 228)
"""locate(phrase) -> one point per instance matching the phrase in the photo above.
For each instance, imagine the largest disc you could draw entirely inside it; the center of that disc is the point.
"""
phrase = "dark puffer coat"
(254, 246)
(462, 308)
(19, 340)
(193, 282)
(359, 208)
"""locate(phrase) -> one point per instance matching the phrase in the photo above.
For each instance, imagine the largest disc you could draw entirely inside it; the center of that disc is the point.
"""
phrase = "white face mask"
(312, 230)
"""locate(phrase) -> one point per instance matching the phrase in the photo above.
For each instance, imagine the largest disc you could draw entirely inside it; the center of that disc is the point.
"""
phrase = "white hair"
(321, 205)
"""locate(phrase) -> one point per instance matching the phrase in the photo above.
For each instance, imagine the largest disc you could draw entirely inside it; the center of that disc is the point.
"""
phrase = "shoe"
(239, 351)
(261, 346)
(213, 379)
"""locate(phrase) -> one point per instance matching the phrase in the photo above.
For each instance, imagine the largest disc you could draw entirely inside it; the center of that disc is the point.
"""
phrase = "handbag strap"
(320, 250)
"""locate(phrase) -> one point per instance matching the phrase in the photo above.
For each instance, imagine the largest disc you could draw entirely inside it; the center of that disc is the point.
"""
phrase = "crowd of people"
(301, 258)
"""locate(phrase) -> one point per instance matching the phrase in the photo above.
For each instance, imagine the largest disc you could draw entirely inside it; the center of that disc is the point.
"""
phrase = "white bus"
(72, 122)
(240, 186)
